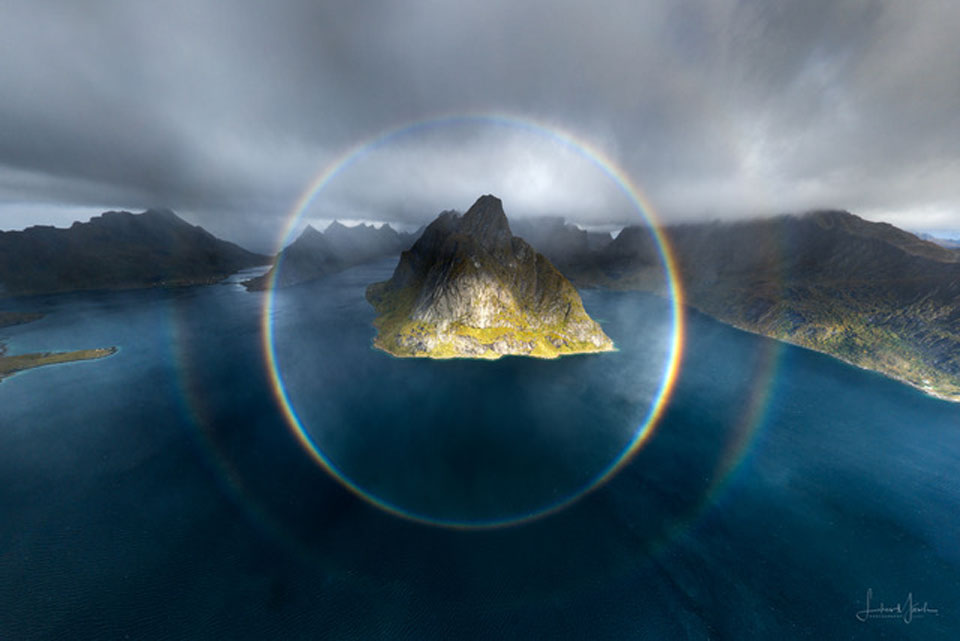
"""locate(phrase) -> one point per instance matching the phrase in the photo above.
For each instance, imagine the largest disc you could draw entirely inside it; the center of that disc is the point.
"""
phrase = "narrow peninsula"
(20, 362)
(469, 288)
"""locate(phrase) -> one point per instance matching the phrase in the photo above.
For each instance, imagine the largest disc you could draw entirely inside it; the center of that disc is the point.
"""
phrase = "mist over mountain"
(869, 293)
(117, 250)
(315, 254)
(949, 243)
(562, 242)
(469, 288)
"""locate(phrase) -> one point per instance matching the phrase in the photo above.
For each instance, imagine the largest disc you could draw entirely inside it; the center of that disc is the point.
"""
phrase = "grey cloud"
(226, 111)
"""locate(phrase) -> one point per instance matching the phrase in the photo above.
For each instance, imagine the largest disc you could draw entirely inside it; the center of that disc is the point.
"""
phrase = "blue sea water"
(160, 493)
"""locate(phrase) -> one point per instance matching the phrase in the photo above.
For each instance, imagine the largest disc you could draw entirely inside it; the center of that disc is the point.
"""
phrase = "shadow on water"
(159, 493)
(464, 440)
(460, 439)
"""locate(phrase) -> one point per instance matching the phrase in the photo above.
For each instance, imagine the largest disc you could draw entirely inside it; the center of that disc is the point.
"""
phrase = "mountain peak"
(469, 288)
(316, 254)
(486, 222)
(152, 216)
(161, 212)
(117, 250)
(310, 232)
(489, 200)
(844, 221)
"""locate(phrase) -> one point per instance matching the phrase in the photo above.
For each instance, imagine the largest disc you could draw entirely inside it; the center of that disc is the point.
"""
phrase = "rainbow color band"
(585, 150)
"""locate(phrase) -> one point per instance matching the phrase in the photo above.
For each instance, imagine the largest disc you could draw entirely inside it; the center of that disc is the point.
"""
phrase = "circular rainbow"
(580, 147)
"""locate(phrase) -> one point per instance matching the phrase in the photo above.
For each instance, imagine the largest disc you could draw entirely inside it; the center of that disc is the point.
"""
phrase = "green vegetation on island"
(468, 288)
(868, 293)
(20, 362)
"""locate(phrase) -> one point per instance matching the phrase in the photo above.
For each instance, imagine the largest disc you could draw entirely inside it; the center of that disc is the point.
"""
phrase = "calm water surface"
(159, 493)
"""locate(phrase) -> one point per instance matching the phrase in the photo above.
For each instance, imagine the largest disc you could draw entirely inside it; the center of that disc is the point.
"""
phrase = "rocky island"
(469, 288)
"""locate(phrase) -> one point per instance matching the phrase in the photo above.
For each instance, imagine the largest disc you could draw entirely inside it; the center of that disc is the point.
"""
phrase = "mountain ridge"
(116, 250)
(469, 288)
(315, 254)
(868, 293)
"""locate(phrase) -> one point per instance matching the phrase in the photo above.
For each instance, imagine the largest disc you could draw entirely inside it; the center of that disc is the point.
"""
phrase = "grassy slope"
(867, 293)
(525, 328)
(913, 343)
(395, 311)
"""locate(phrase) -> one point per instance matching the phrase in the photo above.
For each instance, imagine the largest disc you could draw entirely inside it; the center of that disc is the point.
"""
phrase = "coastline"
(929, 391)
(10, 365)
(16, 363)
(493, 356)
(687, 305)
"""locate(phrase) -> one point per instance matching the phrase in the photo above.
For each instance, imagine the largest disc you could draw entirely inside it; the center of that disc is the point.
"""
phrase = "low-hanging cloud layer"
(228, 111)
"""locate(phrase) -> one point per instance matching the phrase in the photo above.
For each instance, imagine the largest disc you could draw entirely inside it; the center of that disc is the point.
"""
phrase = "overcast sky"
(226, 111)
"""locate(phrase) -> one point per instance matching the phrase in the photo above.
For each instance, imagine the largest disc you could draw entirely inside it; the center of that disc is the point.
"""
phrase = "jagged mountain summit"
(470, 288)
(315, 254)
(117, 250)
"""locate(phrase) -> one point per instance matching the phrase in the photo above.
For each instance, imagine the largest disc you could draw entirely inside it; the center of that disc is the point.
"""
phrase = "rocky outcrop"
(469, 288)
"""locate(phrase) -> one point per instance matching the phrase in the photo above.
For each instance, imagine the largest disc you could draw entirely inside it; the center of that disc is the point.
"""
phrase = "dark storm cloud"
(226, 111)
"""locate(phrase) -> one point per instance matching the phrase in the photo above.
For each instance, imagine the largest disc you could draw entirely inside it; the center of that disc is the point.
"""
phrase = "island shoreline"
(18, 363)
(933, 393)
(493, 357)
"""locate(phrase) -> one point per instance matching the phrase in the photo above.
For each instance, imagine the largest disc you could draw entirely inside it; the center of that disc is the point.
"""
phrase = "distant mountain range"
(117, 250)
(869, 293)
(949, 243)
(316, 254)
(563, 243)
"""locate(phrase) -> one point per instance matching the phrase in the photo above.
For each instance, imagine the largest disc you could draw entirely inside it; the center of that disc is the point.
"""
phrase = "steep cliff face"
(869, 293)
(469, 288)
